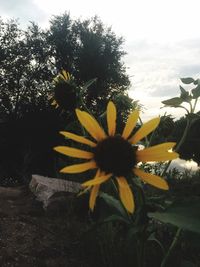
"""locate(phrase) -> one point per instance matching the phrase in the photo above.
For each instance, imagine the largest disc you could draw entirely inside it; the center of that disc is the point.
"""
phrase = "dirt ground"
(31, 237)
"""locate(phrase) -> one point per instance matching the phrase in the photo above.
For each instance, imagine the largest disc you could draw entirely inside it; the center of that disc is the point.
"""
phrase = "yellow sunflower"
(115, 156)
(64, 92)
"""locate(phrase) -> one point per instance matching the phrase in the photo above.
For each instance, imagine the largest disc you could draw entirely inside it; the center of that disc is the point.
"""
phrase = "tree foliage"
(88, 50)
(24, 69)
(31, 58)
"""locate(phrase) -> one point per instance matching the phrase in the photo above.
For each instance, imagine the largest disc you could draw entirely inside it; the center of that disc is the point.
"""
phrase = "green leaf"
(197, 81)
(173, 102)
(187, 80)
(184, 95)
(114, 218)
(185, 263)
(132, 233)
(115, 204)
(196, 92)
(153, 238)
(183, 213)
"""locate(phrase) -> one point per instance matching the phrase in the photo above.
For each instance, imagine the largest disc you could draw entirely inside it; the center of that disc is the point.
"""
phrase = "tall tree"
(89, 50)
(25, 68)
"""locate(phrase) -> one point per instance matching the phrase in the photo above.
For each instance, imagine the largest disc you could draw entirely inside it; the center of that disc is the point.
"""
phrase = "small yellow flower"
(64, 92)
(116, 156)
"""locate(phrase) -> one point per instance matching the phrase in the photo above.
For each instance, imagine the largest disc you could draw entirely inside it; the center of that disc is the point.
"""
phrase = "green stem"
(191, 108)
(185, 109)
(195, 103)
(172, 247)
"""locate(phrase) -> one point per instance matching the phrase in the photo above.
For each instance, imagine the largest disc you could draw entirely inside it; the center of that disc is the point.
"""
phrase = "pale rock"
(45, 187)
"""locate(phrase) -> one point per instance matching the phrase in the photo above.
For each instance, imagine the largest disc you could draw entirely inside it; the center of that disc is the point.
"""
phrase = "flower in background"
(65, 92)
(115, 156)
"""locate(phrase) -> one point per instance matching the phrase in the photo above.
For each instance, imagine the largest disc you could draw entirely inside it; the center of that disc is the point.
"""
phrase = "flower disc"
(65, 96)
(115, 155)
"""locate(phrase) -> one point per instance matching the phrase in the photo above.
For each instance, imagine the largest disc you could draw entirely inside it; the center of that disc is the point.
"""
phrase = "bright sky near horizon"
(162, 39)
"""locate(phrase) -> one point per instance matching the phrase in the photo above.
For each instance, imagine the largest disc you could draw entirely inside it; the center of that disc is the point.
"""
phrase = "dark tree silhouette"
(89, 50)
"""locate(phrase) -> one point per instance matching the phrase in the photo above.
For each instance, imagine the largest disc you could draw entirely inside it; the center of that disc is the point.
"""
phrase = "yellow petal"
(111, 118)
(159, 148)
(74, 152)
(54, 103)
(157, 153)
(151, 179)
(77, 168)
(93, 196)
(78, 138)
(66, 75)
(126, 194)
(145, 129)
(91, 125)
(130, 124)
(98, 180)
(61, 76)
(145, 156)
(55, 80)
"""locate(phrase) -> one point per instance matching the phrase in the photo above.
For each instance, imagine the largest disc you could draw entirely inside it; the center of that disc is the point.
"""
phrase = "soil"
(33, 237)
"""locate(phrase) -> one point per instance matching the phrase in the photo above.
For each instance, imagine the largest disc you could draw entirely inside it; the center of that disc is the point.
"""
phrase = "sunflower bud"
(65, 92)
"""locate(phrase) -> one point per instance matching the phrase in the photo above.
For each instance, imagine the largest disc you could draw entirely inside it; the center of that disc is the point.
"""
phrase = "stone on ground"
(44, 188)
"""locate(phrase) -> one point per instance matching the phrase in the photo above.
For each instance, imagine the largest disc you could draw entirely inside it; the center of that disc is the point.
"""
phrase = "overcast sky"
(162, 39)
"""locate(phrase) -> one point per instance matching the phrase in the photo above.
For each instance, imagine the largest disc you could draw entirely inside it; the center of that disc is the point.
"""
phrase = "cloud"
(181, 165)
(24, 10)
(156, 68)
(192, 70)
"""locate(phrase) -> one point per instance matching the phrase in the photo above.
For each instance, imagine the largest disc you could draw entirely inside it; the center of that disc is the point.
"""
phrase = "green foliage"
(187, 80)
(185, 96)
(173, 102)
(183, 213)
(188, 147)
(24, 69)
(117, 209)
(196, 92)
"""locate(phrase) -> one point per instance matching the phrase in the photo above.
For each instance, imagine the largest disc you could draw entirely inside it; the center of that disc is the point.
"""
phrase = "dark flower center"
(115, 155)
(65, 96)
